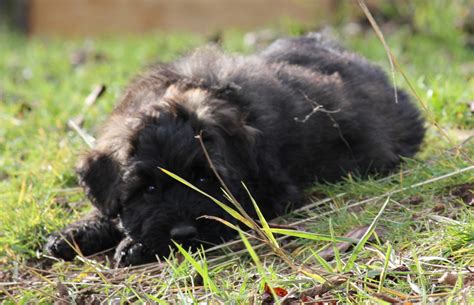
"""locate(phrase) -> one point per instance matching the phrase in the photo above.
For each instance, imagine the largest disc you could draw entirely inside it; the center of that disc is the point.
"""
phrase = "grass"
(424, 232)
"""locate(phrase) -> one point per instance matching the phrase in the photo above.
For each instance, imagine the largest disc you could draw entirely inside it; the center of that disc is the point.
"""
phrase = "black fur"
(301, 111)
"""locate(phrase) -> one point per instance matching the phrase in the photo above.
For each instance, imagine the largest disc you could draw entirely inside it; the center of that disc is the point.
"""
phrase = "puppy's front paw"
(131, 253)
(93, 234)
(60, 244)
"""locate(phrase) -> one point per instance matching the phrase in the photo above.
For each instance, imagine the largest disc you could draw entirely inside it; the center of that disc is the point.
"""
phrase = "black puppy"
(301, 111)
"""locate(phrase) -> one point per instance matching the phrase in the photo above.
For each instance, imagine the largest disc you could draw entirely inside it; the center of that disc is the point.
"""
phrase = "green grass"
(425, 230)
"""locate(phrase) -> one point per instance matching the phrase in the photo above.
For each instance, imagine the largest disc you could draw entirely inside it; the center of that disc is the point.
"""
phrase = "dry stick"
(87, 138)
(385, 45)
(97, 92)
(277, 225)
(90, 100)
(221, 181)
(9, 295)
(320, 107)
(257, 229)
(394, 62)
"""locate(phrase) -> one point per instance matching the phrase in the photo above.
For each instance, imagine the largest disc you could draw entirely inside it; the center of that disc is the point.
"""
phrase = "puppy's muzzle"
(182, 232)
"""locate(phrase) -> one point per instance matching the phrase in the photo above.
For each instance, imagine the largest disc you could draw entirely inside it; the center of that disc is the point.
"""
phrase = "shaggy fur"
(303, 110)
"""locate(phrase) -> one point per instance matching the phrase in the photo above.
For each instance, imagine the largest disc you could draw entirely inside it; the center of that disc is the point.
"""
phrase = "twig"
(377, 30)
(94, 96)
(278, 225)
(74, 123)
(221, 181)
(318, 108)
(87, 138)
(8, 294)
(321, 108)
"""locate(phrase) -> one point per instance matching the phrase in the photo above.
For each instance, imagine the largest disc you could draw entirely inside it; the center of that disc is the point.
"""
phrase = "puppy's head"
(123, 176)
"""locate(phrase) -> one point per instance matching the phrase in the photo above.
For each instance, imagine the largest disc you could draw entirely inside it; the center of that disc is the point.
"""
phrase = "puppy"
(304, 110)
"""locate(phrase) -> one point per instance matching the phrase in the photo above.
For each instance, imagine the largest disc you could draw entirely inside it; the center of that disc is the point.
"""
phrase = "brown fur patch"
(195, 100)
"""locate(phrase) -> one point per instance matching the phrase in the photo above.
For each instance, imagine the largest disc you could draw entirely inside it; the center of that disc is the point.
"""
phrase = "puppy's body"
(303, 110)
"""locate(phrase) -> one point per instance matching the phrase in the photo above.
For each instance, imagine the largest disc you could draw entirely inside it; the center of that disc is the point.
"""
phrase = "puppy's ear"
(99, 174)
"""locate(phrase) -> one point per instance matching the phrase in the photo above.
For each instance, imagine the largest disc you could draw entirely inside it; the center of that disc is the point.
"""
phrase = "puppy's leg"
(92, 234)
(130, 253)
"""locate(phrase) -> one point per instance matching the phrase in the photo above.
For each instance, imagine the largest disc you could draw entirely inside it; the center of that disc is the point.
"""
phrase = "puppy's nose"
(183, 232)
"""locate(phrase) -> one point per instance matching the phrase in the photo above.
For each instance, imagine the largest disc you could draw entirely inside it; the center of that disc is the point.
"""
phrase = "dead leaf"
(465, 192)
(439, 208)
(267, 297)
(356, 233)
(387, 298)
(62, 294)
(413, 200)
(321, 289)
(448, 278)
(281, 292)
(394, 277)
(451, 278)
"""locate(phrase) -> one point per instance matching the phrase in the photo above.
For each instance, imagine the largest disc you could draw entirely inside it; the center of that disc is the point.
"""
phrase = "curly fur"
(301, 111)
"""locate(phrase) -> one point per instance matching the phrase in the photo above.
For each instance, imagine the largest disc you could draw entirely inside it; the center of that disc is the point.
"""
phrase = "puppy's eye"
(202, 180)
(151, 189)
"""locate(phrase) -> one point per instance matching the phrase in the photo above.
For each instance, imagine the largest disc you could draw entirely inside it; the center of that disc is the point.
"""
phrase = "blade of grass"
(365, 237)
(202, 270)
(385, 267)
(228, 193)
(225, 207)
(230, 225)
(337, 255)
(155, 299)
(384, 43)
(265, 227)
(324, 263)
(258, 263)
(312, 236)
(421, 279)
